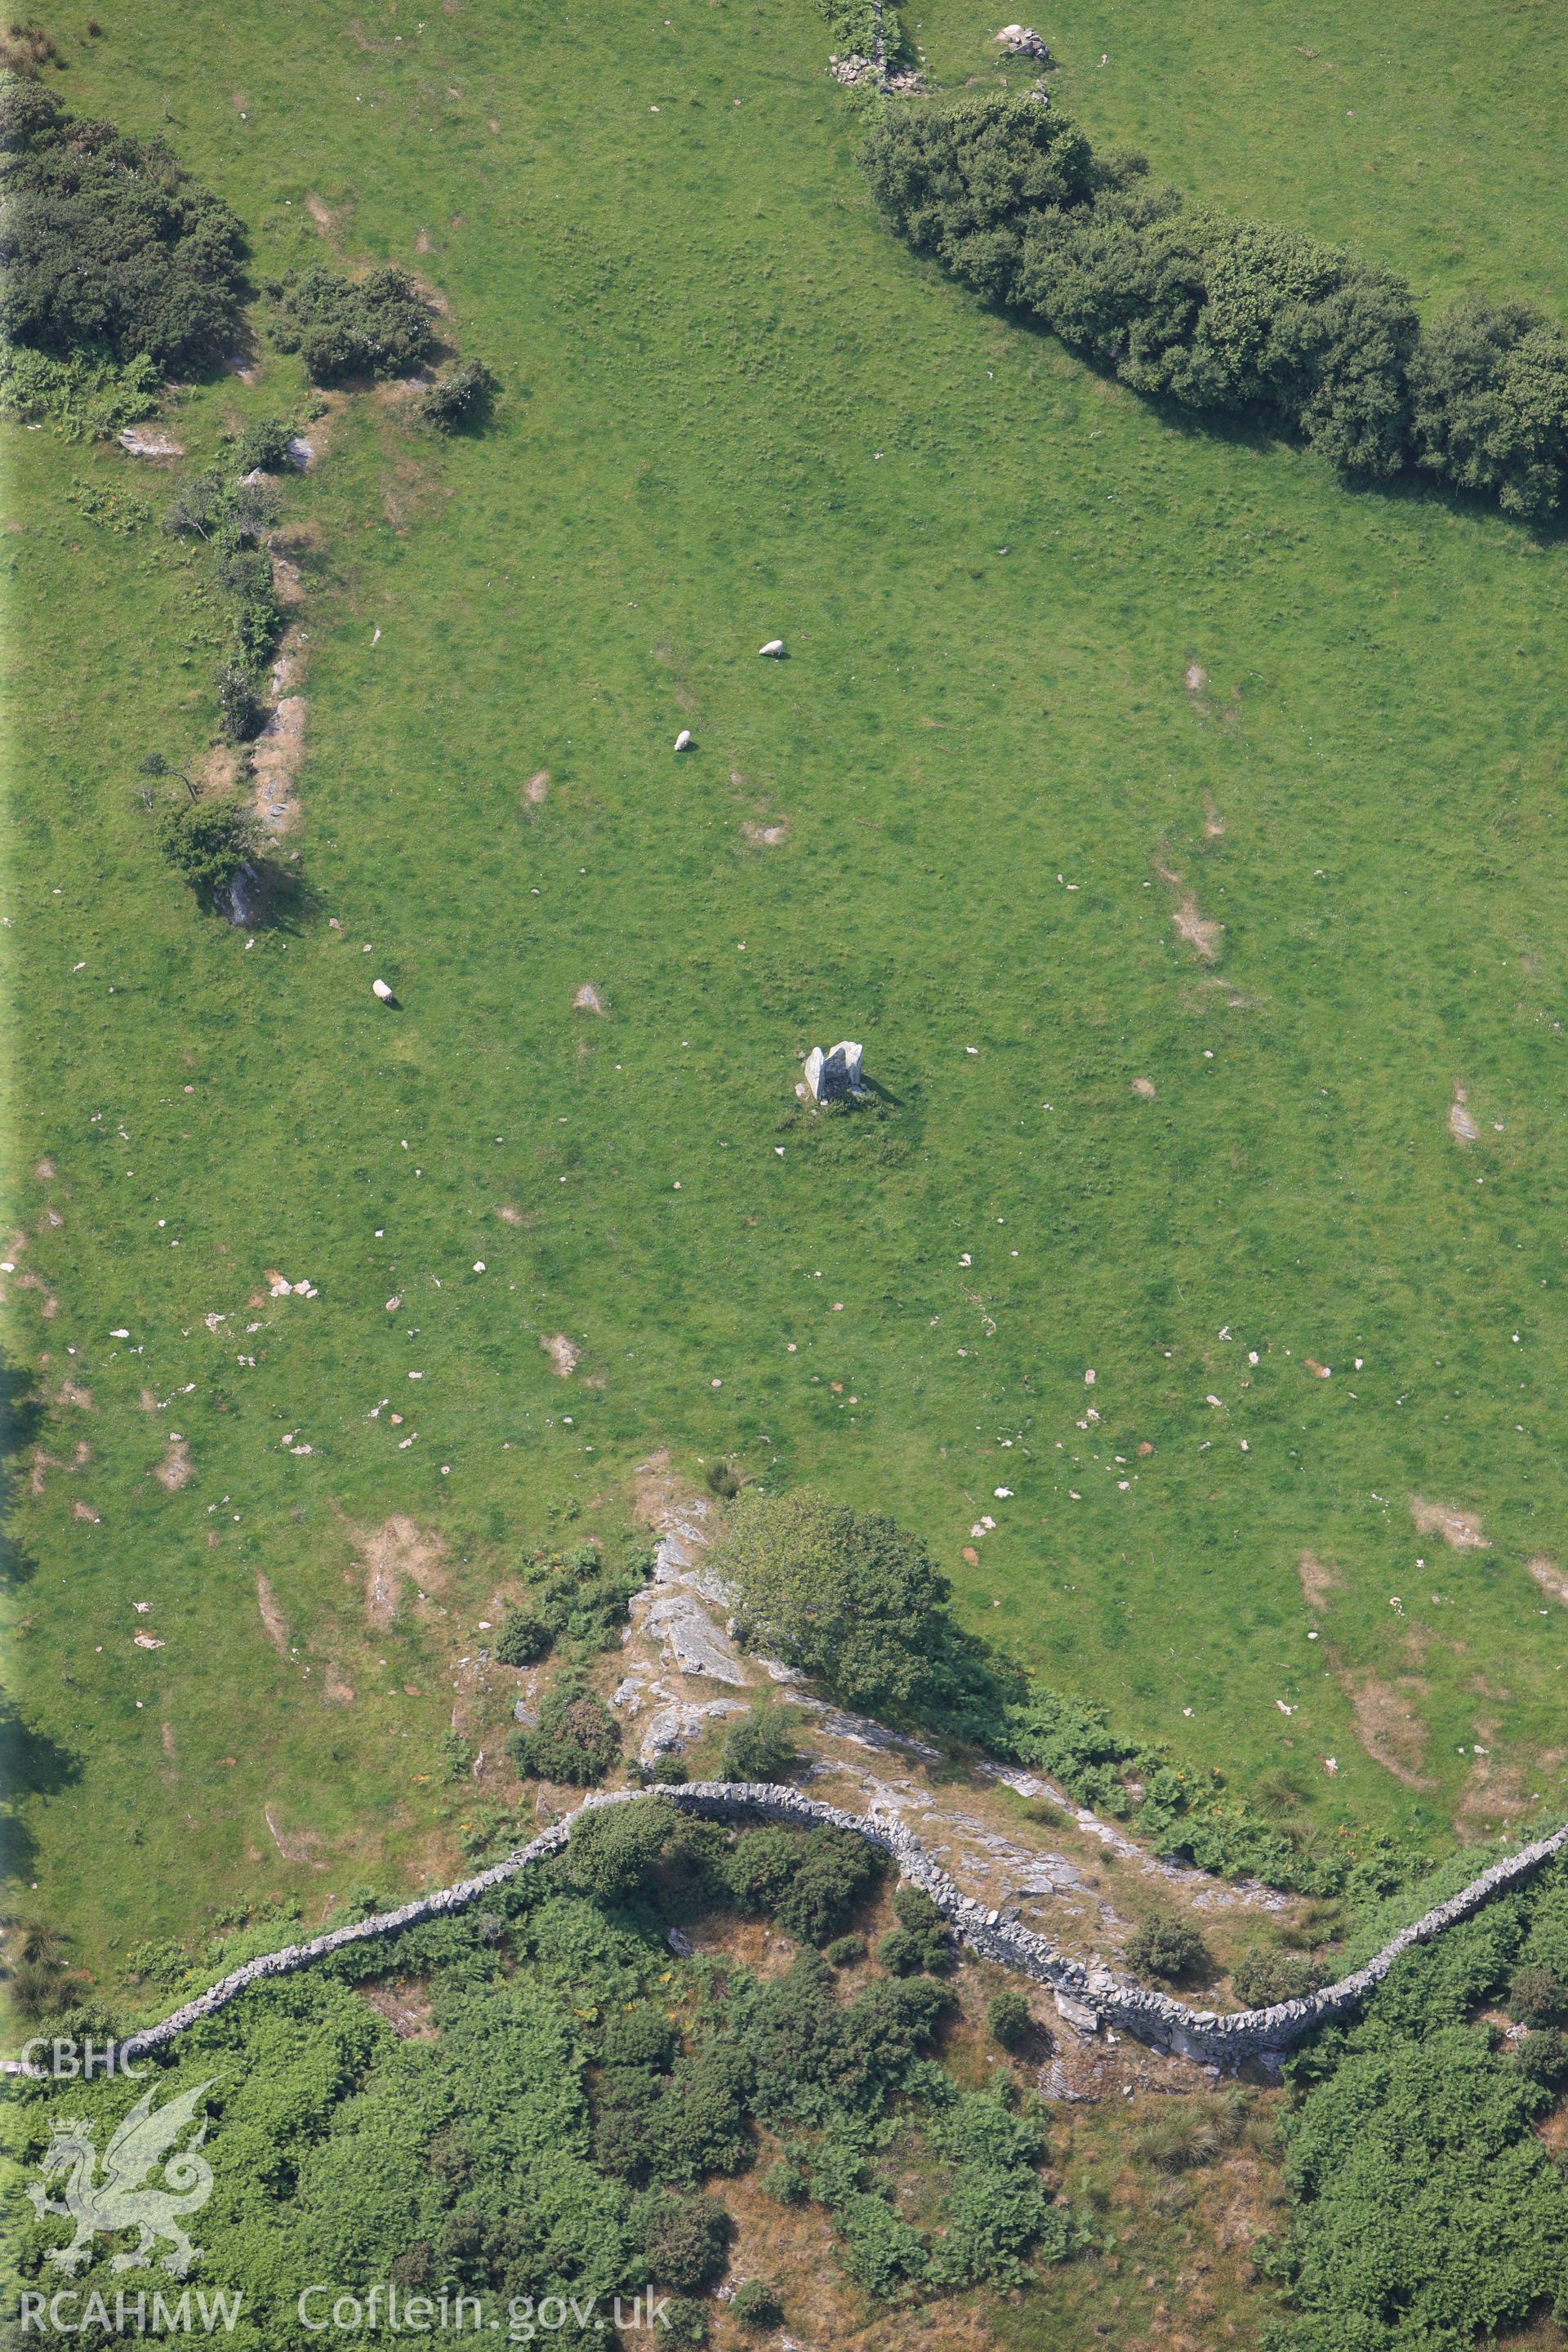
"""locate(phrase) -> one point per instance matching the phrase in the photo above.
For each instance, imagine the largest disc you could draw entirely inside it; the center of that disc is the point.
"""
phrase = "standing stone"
(830, 1077)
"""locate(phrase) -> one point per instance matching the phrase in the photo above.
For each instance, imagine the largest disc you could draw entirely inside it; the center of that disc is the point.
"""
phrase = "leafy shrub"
(1489, 389)
(685, 2240)
(576, 1740)
(524, 1639)
(207, 842)
(920, 1943)
(809, 1884)
(846, 1596)
(241, 712)
(377, 325)
(1537, 1996)
(996, 2209)
(586, 1598)
(264, 446)
(1167, 1948)
(642, 2036)
(1544, 2058)
(844, 1951)
(108, 249)
(456, 1756)
(459, 396)
(759, 1745)
(669, 1772)
(612, 1848)
(1007, 2018)
(1265, 1975)
(753, 2304)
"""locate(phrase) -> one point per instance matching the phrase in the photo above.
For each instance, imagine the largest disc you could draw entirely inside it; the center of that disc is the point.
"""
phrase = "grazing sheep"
(774, 649)
(683, 740)
(379, 988)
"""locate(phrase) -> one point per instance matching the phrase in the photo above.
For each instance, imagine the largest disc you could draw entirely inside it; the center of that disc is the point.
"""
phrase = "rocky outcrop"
(1087, 1996)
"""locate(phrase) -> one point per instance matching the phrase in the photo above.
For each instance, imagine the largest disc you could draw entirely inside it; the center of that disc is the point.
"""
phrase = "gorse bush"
(1265, 1975)
(760, 1744)
(1168, 1949)
(1220, 316)
(459, 396)
(524, 1639)
(378, 325)
(576, 1740)
(108, 249)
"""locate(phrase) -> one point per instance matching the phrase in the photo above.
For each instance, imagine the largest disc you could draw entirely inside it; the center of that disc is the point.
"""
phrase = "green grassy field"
(735, 408)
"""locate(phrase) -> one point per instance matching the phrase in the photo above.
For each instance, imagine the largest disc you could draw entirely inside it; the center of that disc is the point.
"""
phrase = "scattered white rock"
(142, 442)
(301, 452)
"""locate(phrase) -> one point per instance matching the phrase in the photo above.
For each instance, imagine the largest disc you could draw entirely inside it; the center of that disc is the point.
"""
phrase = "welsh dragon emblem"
(117, 2200)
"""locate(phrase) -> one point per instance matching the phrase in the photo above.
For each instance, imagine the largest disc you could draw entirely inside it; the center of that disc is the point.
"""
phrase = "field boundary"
(1088, 1997)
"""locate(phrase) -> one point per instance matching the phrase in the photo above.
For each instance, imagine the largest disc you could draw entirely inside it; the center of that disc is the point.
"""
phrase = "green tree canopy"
(844, 1595)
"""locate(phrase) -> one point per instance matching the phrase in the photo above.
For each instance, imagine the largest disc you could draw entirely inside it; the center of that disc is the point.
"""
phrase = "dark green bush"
(809, 1884)
(1489, 391)
(1007, 2018)
(755, 2305)
(920, 1943)
(576, 1740)
(378, 325)
(1537, 1996)
(683, 2324)
(845, 1950)
(642, 2036)
(108, 248)
(669, 1772)
(612, 1848)
(1167, 1948)
(1264, 1975)
(847, 1596)
(207, 842)
(263, 445)
(459, 396)
(684, 2239)
(1544, 2058)
(524, 1639)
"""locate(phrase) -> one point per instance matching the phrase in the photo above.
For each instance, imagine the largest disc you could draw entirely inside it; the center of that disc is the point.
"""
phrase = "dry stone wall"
(1088, 1997)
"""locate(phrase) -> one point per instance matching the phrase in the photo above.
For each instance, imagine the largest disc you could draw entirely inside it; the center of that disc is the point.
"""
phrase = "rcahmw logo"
(117, 2196)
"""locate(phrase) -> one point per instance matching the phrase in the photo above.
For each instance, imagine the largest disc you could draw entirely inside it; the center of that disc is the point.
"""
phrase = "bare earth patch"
(564, 1356)
(1197, 929)
(1388, 1728)
(1194, 677)
(395, 1552)
(176, 1469)
(588, 1000)
(536, 791)
(405, 2006)
(765, 836)
(1145, 1087)
(1214, 824)
(1459, 1530)
(1550, 1577)
(276, 758)
(1318, 1580)
(337, 1690)
(271, 1615)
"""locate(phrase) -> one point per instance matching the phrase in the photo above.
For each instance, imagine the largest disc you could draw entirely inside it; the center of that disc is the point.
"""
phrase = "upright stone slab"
(830, 1077)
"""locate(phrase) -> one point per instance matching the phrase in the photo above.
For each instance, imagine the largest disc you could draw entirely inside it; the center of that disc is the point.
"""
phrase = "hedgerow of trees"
(1223, 316)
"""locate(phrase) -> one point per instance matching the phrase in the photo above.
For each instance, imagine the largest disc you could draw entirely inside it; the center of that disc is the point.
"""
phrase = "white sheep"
(379, 988)
(683, 740)
(774, 649)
